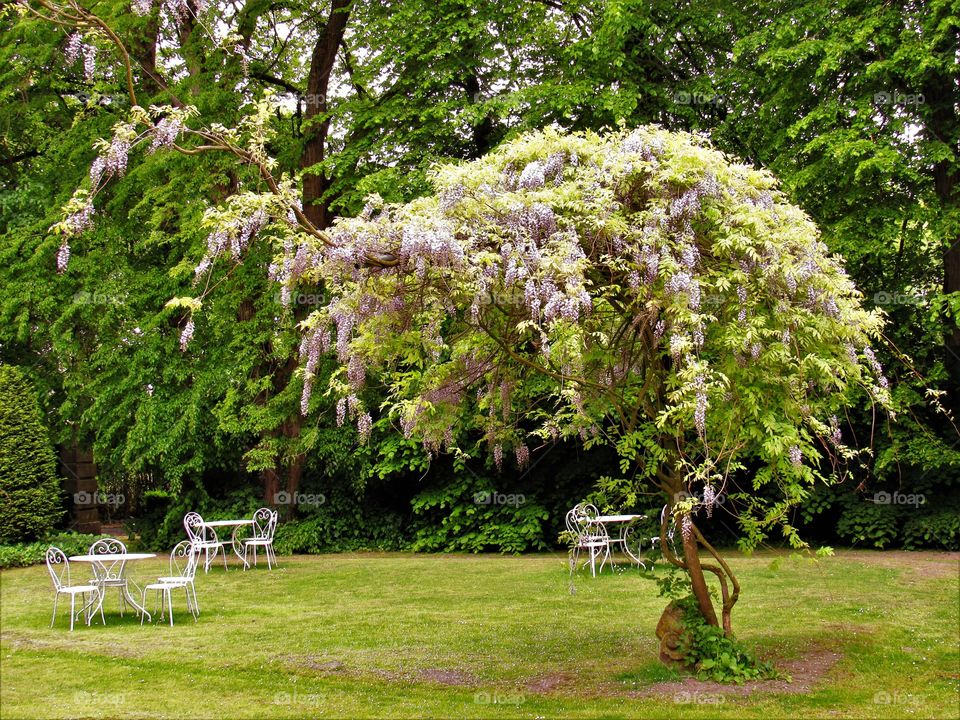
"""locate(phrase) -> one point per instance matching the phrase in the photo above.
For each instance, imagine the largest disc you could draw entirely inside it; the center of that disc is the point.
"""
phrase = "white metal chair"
(656, 539)
(109, 573)
(589, 536)
(183, 569)
(264, 526)
(205, 538)
(59, 568)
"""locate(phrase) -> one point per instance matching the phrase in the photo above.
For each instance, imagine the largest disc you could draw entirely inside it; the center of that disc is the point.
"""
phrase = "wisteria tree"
(637, 289)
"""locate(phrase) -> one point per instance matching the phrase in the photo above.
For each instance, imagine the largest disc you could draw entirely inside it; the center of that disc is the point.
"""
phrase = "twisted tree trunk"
(692, 541)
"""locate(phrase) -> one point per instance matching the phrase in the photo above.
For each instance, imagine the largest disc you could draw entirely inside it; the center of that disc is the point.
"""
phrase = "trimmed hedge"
(24, 554)
(30, 497)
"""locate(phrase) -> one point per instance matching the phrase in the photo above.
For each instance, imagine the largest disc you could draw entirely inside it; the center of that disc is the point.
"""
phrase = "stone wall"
(80, 484)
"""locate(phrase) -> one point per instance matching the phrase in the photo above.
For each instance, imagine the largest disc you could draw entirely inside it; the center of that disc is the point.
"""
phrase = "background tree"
(854, 105)
(30, 503)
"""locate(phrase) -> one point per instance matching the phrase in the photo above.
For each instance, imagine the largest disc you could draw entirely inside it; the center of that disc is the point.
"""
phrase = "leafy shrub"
(467, 514)
(341, 524)
(24, 554)
(714, 655)
(159, 526)
(30, 497)
(867, 523)
(938, 529)
(838, 512)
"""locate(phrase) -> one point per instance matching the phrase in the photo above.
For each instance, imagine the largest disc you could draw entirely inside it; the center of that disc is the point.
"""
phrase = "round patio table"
(626, 530)
(236, 525)
(118, 557)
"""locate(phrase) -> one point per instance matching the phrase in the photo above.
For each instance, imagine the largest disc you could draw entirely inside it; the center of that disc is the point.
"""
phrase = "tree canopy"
(343, 100)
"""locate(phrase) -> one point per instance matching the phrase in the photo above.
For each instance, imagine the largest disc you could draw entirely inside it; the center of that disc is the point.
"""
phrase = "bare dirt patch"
(549, 683)
(17, 641)
(926, 564)
(324, 665)
(447, 677)
(805, 672)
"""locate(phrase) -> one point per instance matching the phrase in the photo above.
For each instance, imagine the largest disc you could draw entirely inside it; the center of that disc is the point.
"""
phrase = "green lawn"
(395, 635)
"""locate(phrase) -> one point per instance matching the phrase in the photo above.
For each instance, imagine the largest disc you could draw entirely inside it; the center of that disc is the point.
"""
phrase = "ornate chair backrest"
(183, 559)
(578, 522)
(264, 523)
(670, 526)
(59, 567)
(193, 524)
(108, 569)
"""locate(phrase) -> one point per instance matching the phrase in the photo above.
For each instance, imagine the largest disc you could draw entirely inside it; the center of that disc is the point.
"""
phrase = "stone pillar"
(80, 485)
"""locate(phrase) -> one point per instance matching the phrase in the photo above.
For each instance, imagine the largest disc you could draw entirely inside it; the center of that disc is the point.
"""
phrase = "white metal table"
(118, 557)
(237, 547)
(626, 531)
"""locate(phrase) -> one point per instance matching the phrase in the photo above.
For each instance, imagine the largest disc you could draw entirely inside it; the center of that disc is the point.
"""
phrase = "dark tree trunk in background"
(316, 125)
(315, 130)
(941, 97)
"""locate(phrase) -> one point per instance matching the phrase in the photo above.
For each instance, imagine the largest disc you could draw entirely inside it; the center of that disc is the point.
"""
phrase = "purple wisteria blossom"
(796, 456)
(71, 51)
(186, 335)
(63, 256)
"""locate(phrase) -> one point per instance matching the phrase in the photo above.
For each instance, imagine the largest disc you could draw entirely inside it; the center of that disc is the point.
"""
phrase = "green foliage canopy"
(635, 288)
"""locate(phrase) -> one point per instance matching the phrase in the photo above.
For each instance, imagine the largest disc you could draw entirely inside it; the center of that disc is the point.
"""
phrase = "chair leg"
(143, 604)
(245, 546)
(169, 605)
(56, 599)
(186, 591)
(196, 605)
(72, 603)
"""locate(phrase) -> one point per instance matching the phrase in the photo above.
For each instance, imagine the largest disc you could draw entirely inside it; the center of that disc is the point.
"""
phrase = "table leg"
(625, 534)
(237, 546)
(136, 604)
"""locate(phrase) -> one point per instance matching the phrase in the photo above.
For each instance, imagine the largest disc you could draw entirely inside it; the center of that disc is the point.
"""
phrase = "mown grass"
(396, 635)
